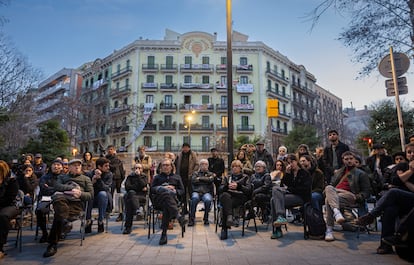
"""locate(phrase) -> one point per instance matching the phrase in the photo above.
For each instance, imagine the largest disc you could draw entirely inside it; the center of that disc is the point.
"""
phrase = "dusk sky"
(53, 34)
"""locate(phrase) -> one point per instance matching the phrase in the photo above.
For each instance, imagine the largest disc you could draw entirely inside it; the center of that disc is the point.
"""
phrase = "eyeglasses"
(166, 165)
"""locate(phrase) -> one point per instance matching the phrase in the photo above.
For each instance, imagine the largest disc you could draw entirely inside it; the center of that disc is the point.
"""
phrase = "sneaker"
(127, 230)
(50, 251)
(120, 217)
(223, 234)
(229, 220)
(170, 225)
(88, 227)
(365, 220)
(191, 222)
(339, 218)
(236, 221)
(277, 234)
(329, 236)
(395, 240)
(101, 227)
(163, 239)
(384, 249)
(280, 221)
(206, 222)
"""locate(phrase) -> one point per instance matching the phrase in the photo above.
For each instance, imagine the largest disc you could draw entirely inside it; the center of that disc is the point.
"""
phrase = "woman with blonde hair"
(8, 210)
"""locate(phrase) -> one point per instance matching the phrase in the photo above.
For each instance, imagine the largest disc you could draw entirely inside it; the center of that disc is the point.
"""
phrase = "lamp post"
(189, 119)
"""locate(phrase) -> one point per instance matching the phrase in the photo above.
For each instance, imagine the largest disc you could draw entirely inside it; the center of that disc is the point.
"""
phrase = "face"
(409, 152)
(305, 163)
(357, 164)
(88, 156)
(236, 169)
(349, 160)
(75, 168)
(214, 153)
(399, 159)
(260, 147)
(204, 166)
(57, 168)
(293, 164)
(141, 151)
(104, 167)
(282, 151)
(185, 149)
(28, 171)
(333, 137)
(111, 151)
(279, 165)
(166, 167)
(27, 162)
(259, 168)
(138, 169)
(240, 155)
(65, 165)
(302, 150)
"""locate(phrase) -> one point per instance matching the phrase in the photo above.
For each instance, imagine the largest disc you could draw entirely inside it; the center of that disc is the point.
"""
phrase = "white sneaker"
(339, 218)
(329, 236)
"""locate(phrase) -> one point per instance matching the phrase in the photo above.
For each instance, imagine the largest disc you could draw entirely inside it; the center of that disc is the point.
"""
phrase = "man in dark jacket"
(136, 188)
(262, 154)
(118, 175)
(203, 189)
(216, 165)
(332, 155)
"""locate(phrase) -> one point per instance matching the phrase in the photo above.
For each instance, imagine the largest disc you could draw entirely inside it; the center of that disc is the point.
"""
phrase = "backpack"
(314, 224)
(406, 230)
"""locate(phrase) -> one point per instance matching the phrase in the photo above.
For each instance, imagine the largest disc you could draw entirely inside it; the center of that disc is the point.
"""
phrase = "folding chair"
(82, 218)
(242, 211)
(145, 202)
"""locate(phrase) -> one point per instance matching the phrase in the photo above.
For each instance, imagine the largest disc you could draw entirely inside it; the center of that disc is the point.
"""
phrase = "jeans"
(195, 199)
(101, 201)
(317, 200)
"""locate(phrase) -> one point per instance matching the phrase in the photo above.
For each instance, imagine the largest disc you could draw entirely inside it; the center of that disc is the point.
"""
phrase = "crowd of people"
(331, 179)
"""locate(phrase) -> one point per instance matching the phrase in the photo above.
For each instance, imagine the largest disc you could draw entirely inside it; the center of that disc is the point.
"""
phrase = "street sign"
(401, 90)
(401, 62)
(402, 81)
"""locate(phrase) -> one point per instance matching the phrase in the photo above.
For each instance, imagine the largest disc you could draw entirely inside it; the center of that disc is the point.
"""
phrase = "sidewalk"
(201, 245)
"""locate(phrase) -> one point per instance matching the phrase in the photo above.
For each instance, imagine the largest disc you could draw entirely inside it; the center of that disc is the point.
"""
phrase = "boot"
(163, 239)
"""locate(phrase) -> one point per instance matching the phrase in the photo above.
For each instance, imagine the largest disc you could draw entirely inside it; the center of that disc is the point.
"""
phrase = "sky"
(53, 34)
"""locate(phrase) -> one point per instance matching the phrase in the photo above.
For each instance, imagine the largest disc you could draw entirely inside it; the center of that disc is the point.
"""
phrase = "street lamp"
(189, 119)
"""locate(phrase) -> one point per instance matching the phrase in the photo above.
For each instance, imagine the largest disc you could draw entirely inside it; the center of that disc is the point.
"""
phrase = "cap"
(76, 160)
(57, 161)
(377, 146)
(213, 149)
(38, 155)
(260, 143)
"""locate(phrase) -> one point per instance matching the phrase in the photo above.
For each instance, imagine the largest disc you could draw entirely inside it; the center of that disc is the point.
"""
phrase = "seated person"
(73, 190)
(261, 185)
(294, 190)
(166, 187)
(234, 191)
(8, 192)
(136, 190)
(394, 203)
(28, 182)
(318, 180)
(46, 185)
(349, 186)
(101, 178)
(202, 182)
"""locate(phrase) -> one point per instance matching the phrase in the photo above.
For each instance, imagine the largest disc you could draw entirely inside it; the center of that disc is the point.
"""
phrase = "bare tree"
(374, 26)
(3, 19)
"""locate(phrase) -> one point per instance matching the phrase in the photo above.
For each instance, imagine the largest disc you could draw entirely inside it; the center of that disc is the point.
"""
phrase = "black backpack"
(406, 230)
(314, 225)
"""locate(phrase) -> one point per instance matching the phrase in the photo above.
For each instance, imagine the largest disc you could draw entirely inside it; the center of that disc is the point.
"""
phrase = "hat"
(213, 149)
(260, 142)
(38, 155)
(377, 146)
(57, 161)
(76, 160)
(332, 131)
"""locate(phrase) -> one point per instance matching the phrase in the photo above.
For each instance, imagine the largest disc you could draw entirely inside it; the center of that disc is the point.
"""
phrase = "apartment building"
(162, 93)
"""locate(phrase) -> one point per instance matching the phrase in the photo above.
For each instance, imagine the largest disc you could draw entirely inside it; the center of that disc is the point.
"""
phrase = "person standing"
(146, 162)
(332, 155)
(39, 166)
(186, 164)
(216, 165)
(118, 174)
(262, 154)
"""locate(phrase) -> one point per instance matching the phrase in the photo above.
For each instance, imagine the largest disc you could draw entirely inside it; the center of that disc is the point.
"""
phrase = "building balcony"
(243, 107)
(276, 76)
(167, 128)
(147, 108)
(170, 87)
(196, 128)
(149, 87)
(120, 110)
(150, 68)
(118, 130)
(196, 68)
(222, 128)
(150, 128)
(52, 90)
(169, 68)
(168, 107)
(284, 115)
(48, 104)
(196, 87)
(273, 93)
(279, 131)
(221, 107)
(221, 88)
(221, 68)
(245, 128)
(121, 73)
(121, 91)
(304, 90)
(244, 69)
(196, 107)
(244, 88)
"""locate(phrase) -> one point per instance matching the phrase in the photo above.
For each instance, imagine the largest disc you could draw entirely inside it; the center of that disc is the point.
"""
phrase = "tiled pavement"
(201, 245)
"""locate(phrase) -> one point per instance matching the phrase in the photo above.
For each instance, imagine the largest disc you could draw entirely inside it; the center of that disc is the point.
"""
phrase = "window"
(117, 85)
(128, 64)
(147, 141)
(169, 79)
(126, 83)
(278, 125)
(116, 104)
(285, 127)
(150, 79)
(224, 121)
(244, 100)
(149, 99)
(268, 66)
(284, 108)
(243, 60)
(187, 99)
(188, 79)
(167, 143)
(269, 84)
(106, 74)
(283, 91)
(205, 143)
(205, 122)
(223, 60)
(169, 60)
(205, 60)
(124, 121)
(125, 101)
(223, 80)
(245, 122)
(168, 120)
(186, 139)
(206, 79)
(188, 60)
(168, 99)
(223, 100)
(118, 68)
(205, 99)
(243, 80)
(283, 73)
(151, 61)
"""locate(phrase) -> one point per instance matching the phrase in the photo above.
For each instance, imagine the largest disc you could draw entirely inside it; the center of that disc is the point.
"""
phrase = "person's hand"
(76, 193)
(98, 174)
(144, 189)
(232, 185)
